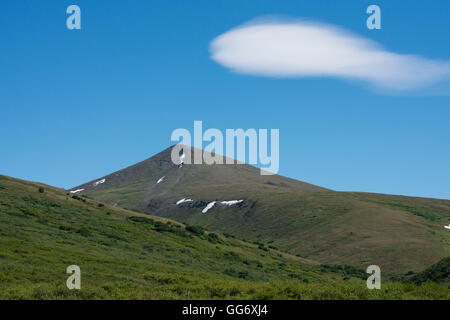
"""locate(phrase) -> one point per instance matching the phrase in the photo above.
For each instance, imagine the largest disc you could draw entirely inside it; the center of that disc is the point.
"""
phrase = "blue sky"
(76, 105)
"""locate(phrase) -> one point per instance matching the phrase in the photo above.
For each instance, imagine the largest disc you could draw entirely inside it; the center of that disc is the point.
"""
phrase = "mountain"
(129, 255)
(397, 233)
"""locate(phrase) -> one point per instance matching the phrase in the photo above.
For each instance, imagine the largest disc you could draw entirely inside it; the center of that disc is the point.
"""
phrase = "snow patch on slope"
(209, 206)
(99, 182)
(231, 202)
(183, 201)
(182, 157)
(76, 191)
(161, 179)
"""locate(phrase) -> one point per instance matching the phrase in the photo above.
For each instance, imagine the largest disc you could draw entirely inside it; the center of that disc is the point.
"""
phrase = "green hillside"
(439, 272)
(400, 234)
(124, 254)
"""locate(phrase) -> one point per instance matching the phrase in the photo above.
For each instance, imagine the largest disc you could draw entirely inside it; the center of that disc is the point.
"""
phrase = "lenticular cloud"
(303, 49)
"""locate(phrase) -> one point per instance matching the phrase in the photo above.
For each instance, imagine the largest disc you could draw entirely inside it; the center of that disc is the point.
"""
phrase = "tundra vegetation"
(129, 255)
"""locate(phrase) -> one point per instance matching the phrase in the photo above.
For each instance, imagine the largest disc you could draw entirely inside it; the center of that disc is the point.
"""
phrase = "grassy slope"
(332, 228)
(400, 234)
(124, 254)
(439, 272)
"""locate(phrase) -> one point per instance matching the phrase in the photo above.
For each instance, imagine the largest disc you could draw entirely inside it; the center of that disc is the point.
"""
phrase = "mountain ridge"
(397, 232)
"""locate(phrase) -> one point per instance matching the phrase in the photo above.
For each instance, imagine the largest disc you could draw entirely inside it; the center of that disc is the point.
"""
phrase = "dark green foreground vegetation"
(440, 272)
(128, 255)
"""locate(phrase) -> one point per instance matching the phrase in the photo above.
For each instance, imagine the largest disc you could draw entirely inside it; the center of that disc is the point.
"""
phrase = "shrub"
(261, 246)
(197, 230)
(231, 272)
(41, 190)
(78, 198)
(84, 232)
(140, 219)
(65, 228)
(438, 272)
(234, 291)
(163, 227)
(345, 270)
(159, 226)
(213, 238)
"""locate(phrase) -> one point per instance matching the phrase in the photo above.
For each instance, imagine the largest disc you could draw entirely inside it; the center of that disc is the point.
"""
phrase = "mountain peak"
(159, 175)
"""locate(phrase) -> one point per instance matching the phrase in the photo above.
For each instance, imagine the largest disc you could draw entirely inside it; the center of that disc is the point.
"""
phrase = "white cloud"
(302, 49)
